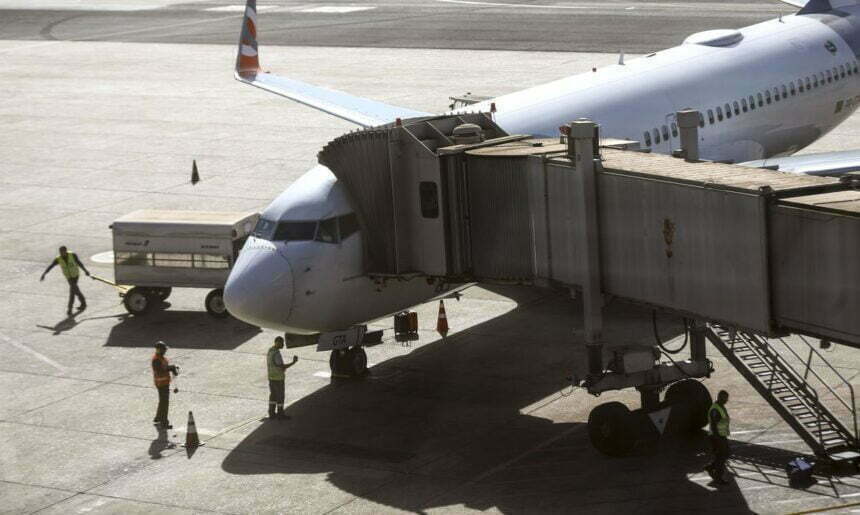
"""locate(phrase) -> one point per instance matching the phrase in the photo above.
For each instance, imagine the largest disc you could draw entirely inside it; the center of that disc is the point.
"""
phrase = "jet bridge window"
(429, 194)
(647, 138)
(711, 116)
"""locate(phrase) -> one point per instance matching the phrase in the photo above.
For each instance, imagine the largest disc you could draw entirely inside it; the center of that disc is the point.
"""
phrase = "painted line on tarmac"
(528, 6)
(38, 355)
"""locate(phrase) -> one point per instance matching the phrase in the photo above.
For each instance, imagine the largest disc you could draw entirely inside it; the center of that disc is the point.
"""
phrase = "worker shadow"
(484, 419)
(181, 330)
(66, 324)
(160, 444)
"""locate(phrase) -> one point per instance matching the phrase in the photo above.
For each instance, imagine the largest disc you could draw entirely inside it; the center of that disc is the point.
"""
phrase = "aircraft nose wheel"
(348, 362)
(612, 429)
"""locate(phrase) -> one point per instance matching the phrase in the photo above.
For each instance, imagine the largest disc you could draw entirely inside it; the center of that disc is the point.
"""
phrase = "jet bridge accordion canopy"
(756, 249)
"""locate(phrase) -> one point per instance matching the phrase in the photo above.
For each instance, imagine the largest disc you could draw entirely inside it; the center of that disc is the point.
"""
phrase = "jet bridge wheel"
(137, 300)
(693, 400)
(612, 429)
(215, 304)
(348, 362)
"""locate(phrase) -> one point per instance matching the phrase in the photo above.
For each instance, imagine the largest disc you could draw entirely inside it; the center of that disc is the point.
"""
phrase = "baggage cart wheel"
(612, 429)
(696, 401)
(137, 301)
(215, 304)
(162, 293)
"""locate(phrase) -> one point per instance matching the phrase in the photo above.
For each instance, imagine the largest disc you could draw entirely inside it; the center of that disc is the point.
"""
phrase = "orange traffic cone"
(442, 321)
(191, 439)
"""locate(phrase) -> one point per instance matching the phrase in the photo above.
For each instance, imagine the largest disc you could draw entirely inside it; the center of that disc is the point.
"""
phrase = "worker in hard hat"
(71, 267)
(720, 431)
(276, 367)
(161, 371)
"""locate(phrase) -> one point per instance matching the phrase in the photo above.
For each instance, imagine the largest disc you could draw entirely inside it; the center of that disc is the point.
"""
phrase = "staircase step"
(786, 398)
(833, 441)
(807, 414)
(757, 365)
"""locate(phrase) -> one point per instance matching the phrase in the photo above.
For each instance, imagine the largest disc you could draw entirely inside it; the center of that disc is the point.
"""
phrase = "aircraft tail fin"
(362, 111)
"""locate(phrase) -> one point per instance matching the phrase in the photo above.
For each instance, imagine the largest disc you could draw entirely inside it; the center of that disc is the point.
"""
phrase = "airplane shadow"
(477, 420)
(181, 330)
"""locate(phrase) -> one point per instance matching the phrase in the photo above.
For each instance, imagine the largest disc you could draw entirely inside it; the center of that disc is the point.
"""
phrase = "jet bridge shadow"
(479, 420)
(181, 330)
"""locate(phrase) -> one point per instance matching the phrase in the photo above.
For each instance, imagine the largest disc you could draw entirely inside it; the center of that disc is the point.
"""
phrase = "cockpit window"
(330, 230)
(327, 231)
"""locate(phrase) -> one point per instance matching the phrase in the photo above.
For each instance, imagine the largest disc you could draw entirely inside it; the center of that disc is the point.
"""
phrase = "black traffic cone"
(195, 177)
(192, 441)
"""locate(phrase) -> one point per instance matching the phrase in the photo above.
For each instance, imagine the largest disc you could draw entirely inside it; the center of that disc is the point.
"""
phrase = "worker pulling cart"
(156, 251)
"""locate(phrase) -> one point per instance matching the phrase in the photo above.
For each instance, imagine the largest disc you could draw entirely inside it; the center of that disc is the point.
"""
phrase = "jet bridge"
(761, 252)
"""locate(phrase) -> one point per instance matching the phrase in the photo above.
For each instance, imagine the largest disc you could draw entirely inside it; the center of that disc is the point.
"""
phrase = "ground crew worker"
(161, 370)
(720, 431)
(276, 367)
(69, 264)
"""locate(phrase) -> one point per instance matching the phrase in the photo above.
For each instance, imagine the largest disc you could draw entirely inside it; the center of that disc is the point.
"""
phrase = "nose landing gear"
(351, 362)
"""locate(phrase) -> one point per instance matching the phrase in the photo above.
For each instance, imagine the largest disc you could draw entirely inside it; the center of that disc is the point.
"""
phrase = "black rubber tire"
(350, 362)
(162, 293)
(612, 429)
(215, 304)
(137, 301)
(692, 396)
(355, 361)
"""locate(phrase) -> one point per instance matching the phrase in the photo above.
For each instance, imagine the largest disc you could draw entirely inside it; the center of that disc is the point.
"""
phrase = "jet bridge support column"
(583, 135)
(688, 121)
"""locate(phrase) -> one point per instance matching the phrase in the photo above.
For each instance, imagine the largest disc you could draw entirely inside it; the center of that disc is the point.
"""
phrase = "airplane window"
(760, 100)
(711, 116)
(674, 130)
(647, 139)
(327, 231)
(800, 85)
(791, 88)
(855, 66)
(295, 231)
(814, 80)
(784, 92)
(829, 76)
(665, 133)
(752, 103)
(808, 84)
(737, 107)
(656, 136)
(835, 73)
(348, 226)
(848, 68)
(720, 113)
(728, 111)
(776, 94)
(701, 120)
(744, 105)
(842, 71)
(767, 96)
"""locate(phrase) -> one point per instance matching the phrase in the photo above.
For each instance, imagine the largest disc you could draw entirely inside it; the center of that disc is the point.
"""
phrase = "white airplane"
(763, 91)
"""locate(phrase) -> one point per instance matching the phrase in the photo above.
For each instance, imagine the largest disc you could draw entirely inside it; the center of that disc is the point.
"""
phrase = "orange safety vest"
(161, 378)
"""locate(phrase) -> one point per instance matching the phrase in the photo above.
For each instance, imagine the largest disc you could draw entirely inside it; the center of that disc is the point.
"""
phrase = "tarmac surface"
(482, 420)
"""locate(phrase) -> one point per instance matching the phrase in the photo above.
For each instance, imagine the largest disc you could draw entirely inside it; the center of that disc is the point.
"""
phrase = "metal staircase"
(785, 379)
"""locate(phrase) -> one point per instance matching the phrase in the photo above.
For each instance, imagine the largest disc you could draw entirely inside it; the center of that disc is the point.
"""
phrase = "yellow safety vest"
(69, 266)
(276, 373)
(723, 424)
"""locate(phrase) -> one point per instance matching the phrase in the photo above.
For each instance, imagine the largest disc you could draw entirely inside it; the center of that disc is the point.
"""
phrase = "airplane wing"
(362, 111)
(826, 163)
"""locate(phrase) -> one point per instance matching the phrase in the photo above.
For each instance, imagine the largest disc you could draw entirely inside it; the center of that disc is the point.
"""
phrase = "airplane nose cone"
(260, 287)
